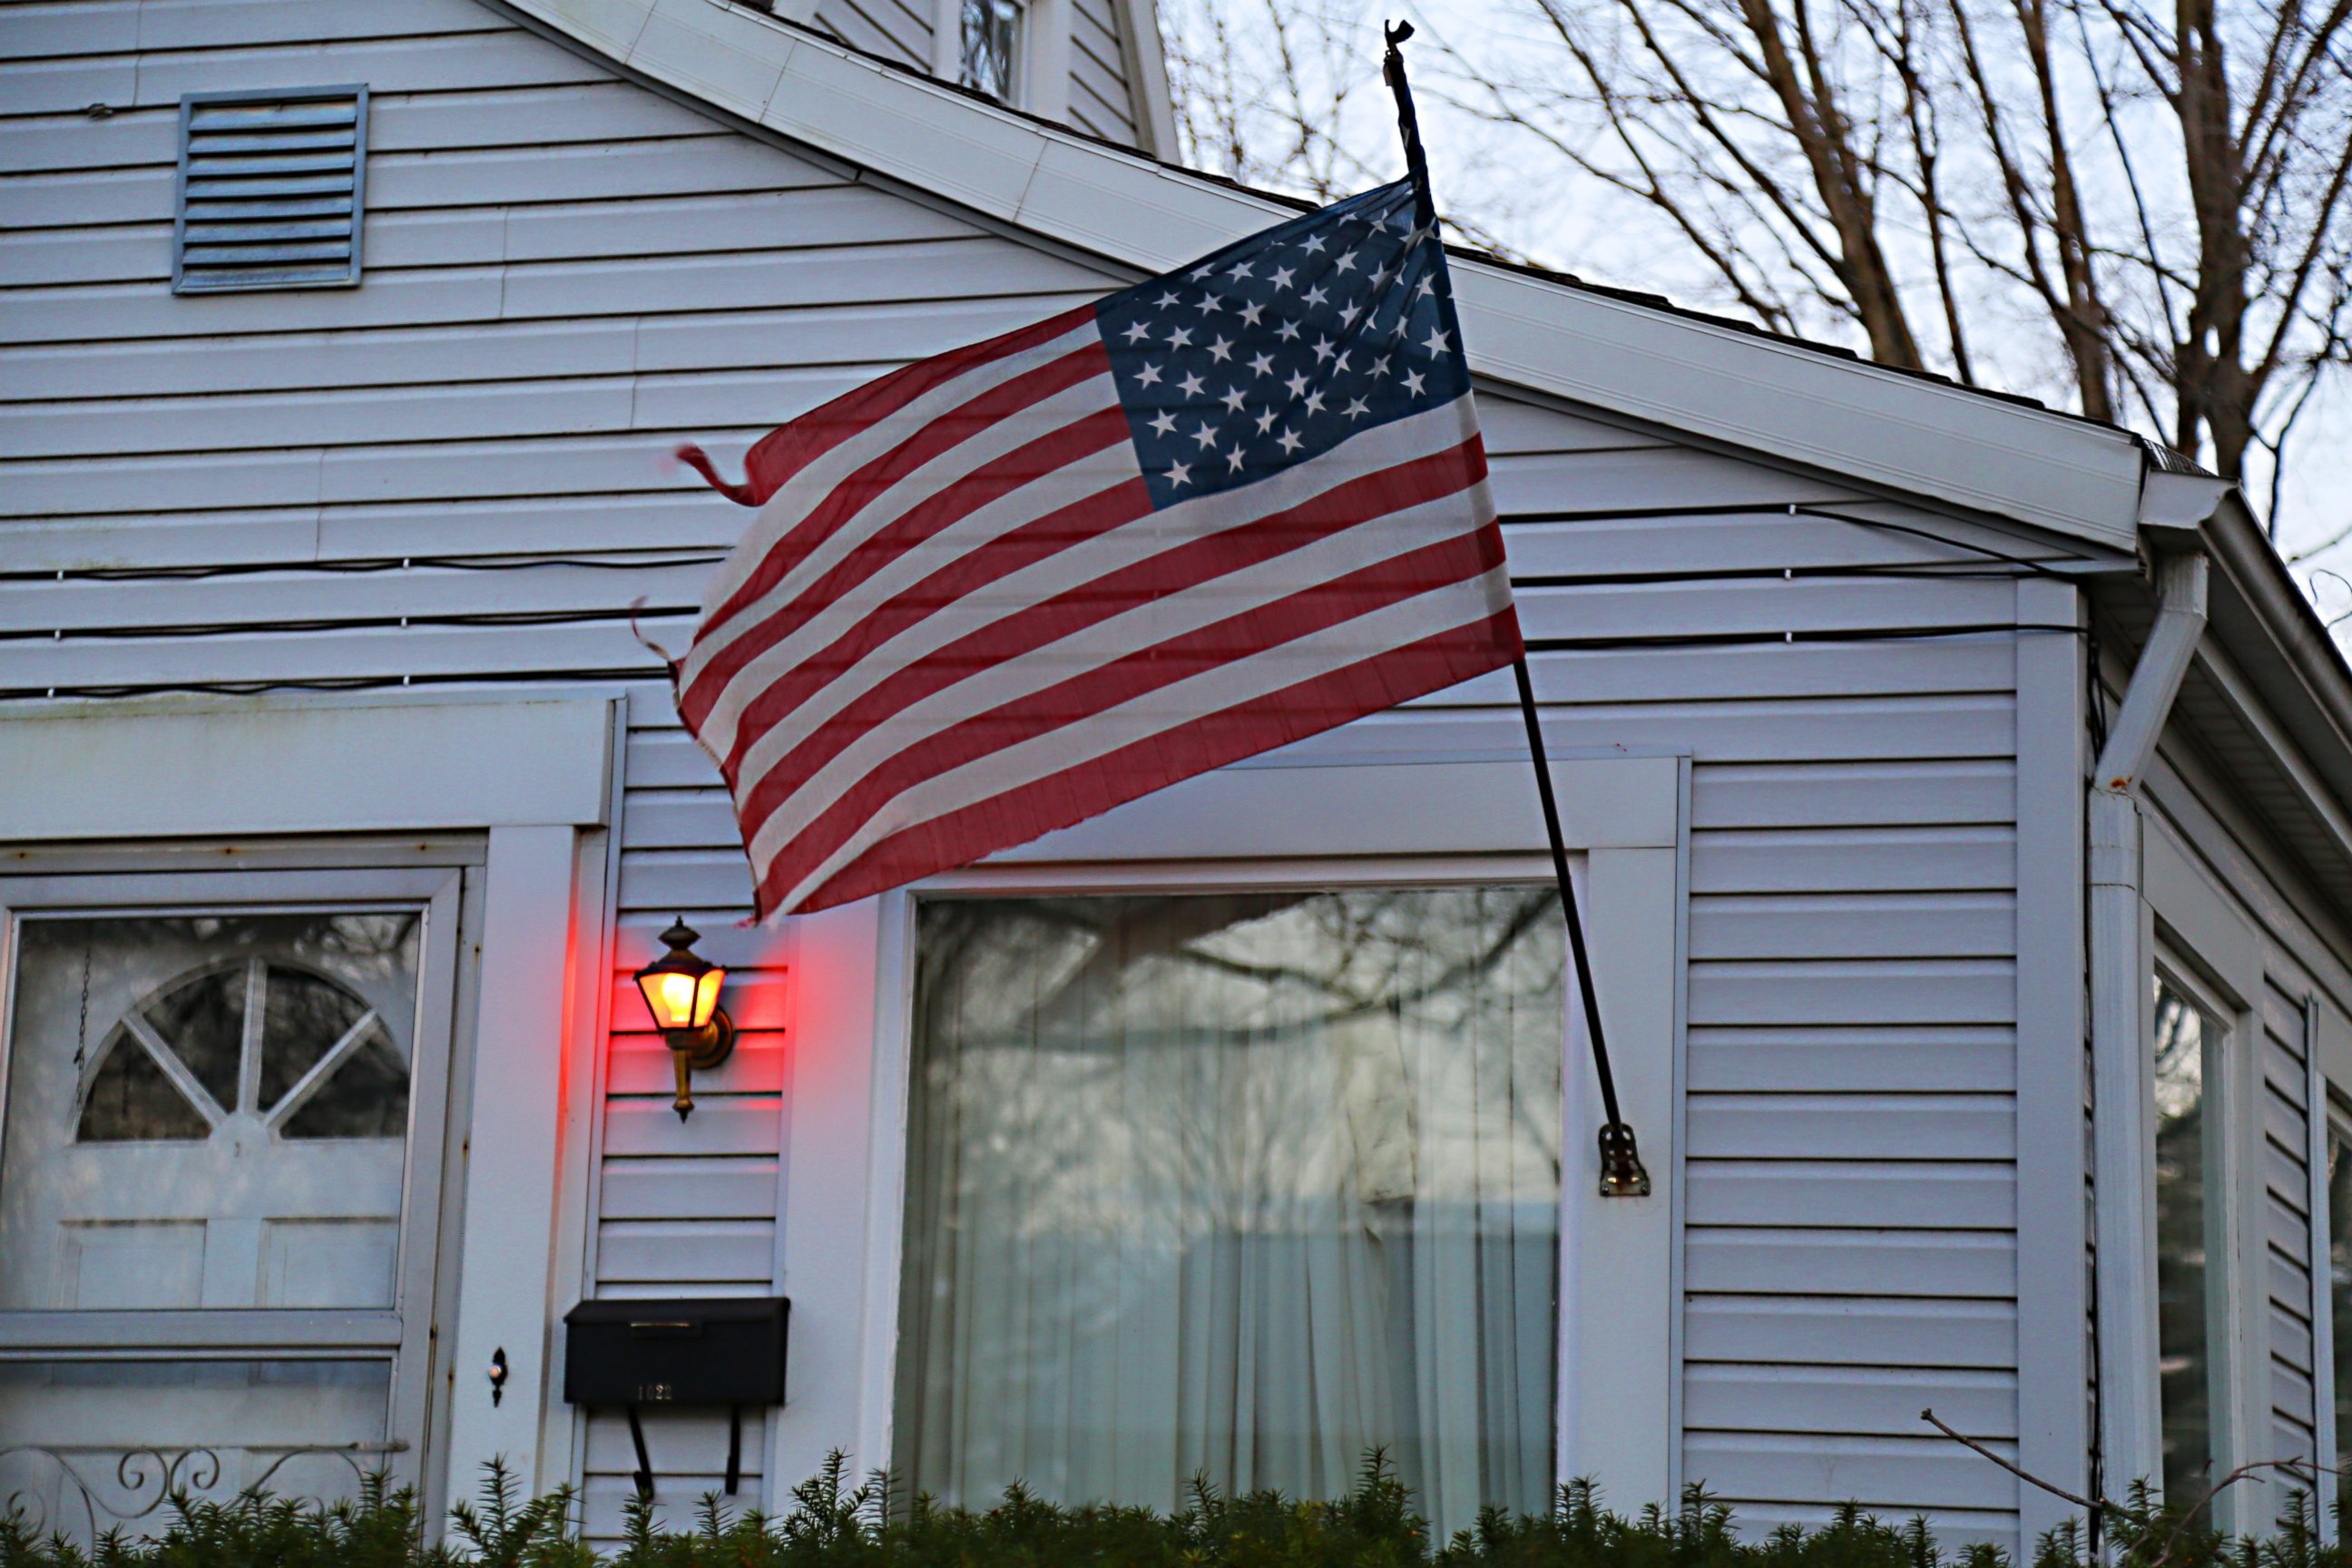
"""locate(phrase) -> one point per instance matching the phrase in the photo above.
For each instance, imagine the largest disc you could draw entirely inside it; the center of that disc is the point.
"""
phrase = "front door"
(217, 1117)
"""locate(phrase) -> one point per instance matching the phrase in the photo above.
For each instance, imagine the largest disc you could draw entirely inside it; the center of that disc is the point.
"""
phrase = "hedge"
(832, 1524)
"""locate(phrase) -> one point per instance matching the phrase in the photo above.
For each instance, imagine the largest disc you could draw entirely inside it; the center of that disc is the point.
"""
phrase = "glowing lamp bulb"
(681, 992)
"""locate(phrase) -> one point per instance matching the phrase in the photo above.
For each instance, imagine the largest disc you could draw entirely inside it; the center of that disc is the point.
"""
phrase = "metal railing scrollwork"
(146, 1478)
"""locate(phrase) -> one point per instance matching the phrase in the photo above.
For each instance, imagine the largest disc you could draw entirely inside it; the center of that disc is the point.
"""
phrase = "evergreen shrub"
(833, 1524)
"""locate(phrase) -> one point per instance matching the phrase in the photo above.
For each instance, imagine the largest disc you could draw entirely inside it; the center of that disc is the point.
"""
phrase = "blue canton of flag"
(1277, 349)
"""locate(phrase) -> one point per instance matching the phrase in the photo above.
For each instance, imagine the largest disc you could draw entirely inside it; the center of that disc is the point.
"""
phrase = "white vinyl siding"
(897, 30)
(565, 275)
(1102, 101)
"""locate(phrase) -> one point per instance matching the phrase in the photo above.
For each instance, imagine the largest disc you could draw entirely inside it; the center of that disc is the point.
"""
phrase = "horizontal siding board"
(696, 1252)
(1855, 794)
(1891, 1475)
(1664, 479)
(710, 1188)
(1808, 1262)
(1840, 1400)
(1834, 1188)
(1798, 860)
(733, 1125)
(679, 1443)
(1854, 1127)
(1746, 543)
(1824, 1331)
(1877, 1058)
(539, 291)
(1827, 993)
(642, 1065)
(1955, 925)
(1748, 671)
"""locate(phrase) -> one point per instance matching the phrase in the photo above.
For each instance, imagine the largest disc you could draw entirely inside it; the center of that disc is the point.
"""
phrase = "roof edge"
(1905, 433)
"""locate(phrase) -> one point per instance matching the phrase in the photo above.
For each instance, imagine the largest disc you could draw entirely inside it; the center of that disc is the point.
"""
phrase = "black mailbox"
(702, 1350)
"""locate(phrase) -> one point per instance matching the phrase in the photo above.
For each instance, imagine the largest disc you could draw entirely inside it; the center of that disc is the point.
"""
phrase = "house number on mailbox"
(657, 1393)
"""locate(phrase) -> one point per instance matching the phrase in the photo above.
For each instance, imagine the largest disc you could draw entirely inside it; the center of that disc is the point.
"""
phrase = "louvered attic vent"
(270, 190)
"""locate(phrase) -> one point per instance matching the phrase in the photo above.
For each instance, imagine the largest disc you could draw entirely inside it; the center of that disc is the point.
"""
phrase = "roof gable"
(1713, 379)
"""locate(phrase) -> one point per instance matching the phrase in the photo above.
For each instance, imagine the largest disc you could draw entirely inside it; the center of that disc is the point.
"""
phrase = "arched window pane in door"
(207, 1110)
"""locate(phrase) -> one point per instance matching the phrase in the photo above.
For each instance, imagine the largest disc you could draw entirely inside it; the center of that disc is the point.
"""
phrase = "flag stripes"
(1001, 590)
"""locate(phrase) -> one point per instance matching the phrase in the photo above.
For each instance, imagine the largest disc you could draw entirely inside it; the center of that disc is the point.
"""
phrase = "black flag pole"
(1621, 1176)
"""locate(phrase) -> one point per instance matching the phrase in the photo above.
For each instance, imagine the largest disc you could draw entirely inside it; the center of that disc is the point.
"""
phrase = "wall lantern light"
(681, 990)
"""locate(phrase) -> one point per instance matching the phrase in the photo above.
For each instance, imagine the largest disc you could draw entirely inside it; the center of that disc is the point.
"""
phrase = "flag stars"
(1316, 296)
(1296, 383)
(1180, 474)
(1180, 338)
(1222, 350)
(1233, 460)
(1287, 331)
(1190, 386)
(1313, 244)
(1149, 375)
(1322, 350)
(1281, 280)
(1289, 442)
(1414, 382)
(1261, 364)
(1239, 269)
(1163, 423)
(1438, 342)
(1166, 302)
(1208, 304)
(1206, 435)
(1265, 420)
(1234, 398)
(1346, 262)
(1357, 408)
(1251, 312)
(1138, 332)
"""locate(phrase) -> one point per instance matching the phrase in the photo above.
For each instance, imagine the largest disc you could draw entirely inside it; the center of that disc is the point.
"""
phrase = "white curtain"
(1234, 1184)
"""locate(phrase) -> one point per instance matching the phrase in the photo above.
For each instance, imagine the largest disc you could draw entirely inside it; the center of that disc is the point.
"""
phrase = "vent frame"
(315, 265)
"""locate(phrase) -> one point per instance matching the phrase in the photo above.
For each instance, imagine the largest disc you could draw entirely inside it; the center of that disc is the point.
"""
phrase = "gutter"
(2130, 1421)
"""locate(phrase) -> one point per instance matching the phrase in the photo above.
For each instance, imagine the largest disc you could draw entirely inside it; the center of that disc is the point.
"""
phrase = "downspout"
(2130, 1416)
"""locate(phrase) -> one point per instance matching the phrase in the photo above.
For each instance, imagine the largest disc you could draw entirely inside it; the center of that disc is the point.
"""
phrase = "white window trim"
(537, 772)
(2193, 933)
(1463, 819)
(400, 1334)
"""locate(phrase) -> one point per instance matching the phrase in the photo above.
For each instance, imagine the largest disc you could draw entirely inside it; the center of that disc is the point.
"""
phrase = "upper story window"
(991, 47)
(271, 190)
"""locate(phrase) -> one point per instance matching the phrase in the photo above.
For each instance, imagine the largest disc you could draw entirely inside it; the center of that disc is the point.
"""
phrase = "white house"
(1958, 791)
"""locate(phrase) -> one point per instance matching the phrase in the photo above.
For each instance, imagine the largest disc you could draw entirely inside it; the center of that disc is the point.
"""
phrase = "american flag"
(998, 591)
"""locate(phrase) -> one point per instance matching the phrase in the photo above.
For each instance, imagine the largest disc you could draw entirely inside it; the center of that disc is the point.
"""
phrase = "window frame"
(1271, 825)
(402, 1334)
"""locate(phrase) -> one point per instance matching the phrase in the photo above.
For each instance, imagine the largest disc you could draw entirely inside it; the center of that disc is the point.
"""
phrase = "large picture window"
(1234, 1184)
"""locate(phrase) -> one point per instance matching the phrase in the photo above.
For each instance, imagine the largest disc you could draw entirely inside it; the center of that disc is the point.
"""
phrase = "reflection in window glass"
(93, 1444)
(1234, 1184)
(207, 1110)
(2183, 1230)
(991, 46)
(2340, 1282)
